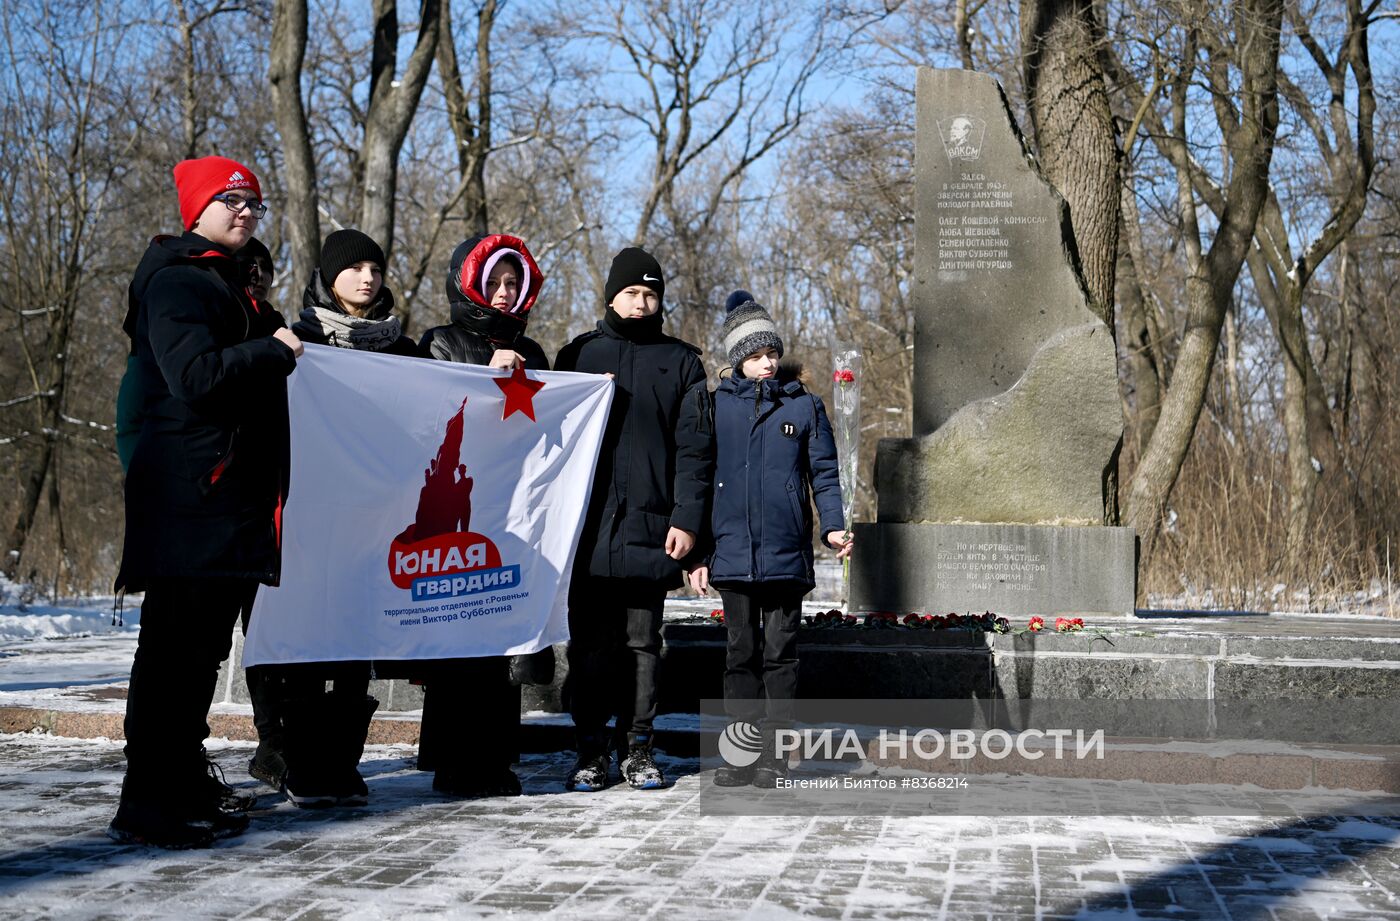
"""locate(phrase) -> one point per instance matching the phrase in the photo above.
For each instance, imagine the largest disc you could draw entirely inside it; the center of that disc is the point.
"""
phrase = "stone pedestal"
(1011, 569)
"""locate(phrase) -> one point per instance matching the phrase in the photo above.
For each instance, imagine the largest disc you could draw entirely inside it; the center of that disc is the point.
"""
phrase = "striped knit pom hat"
(747, 328)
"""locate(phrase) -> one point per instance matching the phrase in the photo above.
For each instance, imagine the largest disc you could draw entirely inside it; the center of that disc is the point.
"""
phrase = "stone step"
(1214, 657)
(1269, 766)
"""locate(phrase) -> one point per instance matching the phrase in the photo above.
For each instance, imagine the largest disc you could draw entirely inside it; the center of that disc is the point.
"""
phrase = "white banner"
(433, 509)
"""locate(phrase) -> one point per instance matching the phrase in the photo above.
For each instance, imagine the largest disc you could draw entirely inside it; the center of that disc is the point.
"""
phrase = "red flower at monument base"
(844, 376)
(1037, 624)
(717, 615)
(1068, 624)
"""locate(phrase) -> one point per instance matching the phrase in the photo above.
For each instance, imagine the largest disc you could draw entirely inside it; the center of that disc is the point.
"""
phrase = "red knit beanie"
(198, 181)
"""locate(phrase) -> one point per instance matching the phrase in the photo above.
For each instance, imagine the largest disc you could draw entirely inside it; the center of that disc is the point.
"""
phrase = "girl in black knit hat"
(346, 305)
(346, 302)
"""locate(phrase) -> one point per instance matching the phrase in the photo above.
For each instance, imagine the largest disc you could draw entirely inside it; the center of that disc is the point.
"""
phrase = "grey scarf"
(347, 332)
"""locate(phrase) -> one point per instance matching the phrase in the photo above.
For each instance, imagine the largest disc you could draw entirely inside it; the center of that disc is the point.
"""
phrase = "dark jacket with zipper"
(657, 458)
(210, 462)
(460, 344)
(774, 449)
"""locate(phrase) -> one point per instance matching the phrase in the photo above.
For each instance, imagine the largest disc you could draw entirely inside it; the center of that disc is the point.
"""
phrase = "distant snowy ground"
(91, 615)
(71, 643)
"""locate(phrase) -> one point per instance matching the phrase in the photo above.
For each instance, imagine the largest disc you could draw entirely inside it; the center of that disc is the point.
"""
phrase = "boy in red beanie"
(202, 489)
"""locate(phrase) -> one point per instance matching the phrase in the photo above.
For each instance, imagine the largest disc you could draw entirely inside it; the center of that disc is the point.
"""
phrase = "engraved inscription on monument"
(974, 215)
(983, 565)
(997, 502)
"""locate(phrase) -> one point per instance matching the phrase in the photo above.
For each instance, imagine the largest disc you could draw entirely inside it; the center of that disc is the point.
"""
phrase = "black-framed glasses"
(236, 203)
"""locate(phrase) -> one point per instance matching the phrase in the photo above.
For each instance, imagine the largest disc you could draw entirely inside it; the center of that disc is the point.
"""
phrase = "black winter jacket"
(210, 463)
(657, 458)
(461, 344)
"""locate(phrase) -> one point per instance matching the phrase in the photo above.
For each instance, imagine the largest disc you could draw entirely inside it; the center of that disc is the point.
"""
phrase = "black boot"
(351, 726)
(176, 813)
(217, 788)
(475, 771)
(771, 766)
(266, 692)
(311, 780)
(726, 775)
(269, 762)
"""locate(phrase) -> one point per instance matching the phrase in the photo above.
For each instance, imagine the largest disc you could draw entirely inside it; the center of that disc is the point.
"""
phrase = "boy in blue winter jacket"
(773, 449)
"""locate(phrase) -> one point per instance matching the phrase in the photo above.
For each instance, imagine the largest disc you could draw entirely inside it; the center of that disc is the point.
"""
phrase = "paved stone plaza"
(620, 854)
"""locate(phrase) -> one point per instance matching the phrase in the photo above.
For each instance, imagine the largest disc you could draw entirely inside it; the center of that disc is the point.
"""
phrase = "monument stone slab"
(1017, 421)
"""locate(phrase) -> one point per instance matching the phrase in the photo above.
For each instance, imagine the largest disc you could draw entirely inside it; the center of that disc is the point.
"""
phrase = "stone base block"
(1012, 569)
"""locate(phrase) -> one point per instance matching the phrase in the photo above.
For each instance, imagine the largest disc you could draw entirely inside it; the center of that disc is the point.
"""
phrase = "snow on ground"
(625, 854)
(91, 615)
(45, 647)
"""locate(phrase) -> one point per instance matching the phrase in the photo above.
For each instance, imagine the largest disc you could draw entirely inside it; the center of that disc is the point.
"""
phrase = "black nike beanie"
(634, 266)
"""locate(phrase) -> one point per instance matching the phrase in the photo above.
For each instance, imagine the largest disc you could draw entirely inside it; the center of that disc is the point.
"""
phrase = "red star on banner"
(519, 392)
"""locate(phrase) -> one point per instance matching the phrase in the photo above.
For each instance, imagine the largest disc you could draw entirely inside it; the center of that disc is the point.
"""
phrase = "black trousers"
(614, 651)
(471, 716)
(186, 631)
(761, 659)
(273, 688)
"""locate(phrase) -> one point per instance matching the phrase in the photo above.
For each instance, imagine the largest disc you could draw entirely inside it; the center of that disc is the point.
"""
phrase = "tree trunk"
(393, 100)
(299, 177)
(1212, 275)
(1074, 131)
(189, 100)
(1079, 149)
(1360, 404)
(472, 134)
(28, 507)
(962, 28)
(48, 419)
(1136, 340)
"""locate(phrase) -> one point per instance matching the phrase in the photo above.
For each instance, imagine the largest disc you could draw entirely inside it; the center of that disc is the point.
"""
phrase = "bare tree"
(964, 11)
(393, 100)
(193, 102)
(712, 72)
(1281, 278)
(59, 170)
(471, 131)
(1211, 272)
(285, 59)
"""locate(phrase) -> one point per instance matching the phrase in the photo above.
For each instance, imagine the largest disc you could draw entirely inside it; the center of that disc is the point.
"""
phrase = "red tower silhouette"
(445, 501)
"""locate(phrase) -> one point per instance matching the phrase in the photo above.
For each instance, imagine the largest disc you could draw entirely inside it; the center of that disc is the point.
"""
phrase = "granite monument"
(1002, 499)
